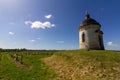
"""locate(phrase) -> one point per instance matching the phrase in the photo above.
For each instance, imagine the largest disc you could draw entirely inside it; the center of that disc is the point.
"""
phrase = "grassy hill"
(60, 65)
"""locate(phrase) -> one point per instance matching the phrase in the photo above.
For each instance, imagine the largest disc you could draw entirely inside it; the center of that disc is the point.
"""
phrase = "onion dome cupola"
(88, 21)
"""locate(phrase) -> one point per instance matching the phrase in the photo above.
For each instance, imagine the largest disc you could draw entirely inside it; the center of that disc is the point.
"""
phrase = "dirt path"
(68, 71)
(64, 69)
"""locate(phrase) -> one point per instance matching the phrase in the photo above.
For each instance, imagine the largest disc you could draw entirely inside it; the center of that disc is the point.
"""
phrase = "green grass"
(61, 65)
(10, 70)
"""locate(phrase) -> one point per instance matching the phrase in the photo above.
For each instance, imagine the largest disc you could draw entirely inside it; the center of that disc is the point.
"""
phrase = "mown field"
(60, 65)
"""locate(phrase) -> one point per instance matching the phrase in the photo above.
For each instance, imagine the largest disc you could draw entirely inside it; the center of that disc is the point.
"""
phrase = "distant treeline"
(11, 50)
(22, 49)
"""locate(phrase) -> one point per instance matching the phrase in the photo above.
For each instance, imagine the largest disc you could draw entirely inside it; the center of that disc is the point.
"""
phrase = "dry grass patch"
(81, 67)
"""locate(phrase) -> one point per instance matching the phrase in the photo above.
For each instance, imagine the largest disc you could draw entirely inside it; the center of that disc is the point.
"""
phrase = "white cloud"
(28, 22)
(60, 42)
(39, 24)
(11, 33)
(48, 16)
(111, 44)
(32, 40)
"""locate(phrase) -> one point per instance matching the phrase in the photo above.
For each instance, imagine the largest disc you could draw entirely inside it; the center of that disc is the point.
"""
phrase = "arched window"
(83, 37)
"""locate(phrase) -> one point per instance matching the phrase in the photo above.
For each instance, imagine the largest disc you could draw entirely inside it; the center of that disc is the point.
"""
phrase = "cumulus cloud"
(60, 42)
(39, 24)
(28, 22)
(32, 40)
(11, 33)
(48, 16)
(111, 44)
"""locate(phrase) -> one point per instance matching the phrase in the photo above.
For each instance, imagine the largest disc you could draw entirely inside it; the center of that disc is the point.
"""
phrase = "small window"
(83, 37)
(96, 31)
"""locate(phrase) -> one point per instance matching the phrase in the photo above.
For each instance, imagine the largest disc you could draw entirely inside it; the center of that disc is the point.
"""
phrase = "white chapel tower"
(90, 35)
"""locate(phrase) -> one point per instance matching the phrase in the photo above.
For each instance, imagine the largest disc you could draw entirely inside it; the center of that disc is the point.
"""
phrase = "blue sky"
(53, 24)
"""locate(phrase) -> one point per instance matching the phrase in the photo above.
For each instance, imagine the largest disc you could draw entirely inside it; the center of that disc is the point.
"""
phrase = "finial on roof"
(87, 12)
(87, 16)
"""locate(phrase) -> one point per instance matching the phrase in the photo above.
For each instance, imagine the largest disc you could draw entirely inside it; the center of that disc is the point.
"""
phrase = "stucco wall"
(91, 37)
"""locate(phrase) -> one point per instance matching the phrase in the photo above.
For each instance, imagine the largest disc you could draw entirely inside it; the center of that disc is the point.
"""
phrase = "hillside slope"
(85, 65)
(60, 65)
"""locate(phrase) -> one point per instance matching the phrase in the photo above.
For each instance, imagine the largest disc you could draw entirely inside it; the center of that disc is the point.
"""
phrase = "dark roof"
(88, 21)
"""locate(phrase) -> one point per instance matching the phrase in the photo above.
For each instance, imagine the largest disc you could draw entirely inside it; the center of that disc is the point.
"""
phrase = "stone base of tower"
(91, 47)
